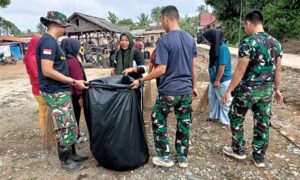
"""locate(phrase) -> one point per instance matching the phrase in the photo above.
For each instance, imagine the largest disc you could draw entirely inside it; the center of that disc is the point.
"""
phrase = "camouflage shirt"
(263, 51)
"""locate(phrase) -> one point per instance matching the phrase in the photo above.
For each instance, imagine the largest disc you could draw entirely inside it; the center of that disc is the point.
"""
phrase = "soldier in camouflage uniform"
(63, 114)
(55, 83)
(257, 77)
(182, 106)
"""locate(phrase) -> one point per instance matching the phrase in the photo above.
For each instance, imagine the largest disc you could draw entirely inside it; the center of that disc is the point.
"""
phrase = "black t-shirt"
(49, 49)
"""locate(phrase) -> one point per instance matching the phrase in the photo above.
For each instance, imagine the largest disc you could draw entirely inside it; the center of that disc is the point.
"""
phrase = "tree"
(156, 15)
(202, 8)
(281, 19)
(189, 24)
(41, 29)
(144, 21)
(112, 17)
(127, 22)
(4, 3)
(228, 14)
(9, 28)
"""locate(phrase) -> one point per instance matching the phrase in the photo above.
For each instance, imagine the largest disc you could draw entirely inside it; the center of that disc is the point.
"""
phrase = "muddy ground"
(22, 155)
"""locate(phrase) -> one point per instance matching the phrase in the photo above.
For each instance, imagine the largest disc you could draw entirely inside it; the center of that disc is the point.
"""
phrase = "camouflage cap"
(56, 17)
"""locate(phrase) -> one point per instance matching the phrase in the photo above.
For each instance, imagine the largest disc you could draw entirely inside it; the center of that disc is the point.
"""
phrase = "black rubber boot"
(76, 157)
(65, 157)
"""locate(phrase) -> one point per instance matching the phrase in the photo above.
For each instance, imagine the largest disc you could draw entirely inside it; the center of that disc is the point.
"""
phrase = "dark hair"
(49, 23)
(255, 16)
(171, 12)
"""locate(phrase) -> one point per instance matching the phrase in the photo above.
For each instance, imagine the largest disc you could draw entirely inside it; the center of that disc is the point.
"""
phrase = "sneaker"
(183, 162)
(258, 162)
(228, 151)
(225, 127)
(163, 161)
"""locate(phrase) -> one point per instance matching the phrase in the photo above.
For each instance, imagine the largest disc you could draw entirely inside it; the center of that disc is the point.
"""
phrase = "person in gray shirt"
(177, 69)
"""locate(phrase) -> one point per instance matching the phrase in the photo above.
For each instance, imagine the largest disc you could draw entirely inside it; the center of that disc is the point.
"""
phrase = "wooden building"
(89, 28)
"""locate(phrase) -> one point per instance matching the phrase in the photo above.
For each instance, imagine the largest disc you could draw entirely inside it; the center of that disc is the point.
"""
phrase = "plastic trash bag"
(115, 122)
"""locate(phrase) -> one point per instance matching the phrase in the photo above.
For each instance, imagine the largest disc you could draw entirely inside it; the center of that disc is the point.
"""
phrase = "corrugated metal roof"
(12, 39)
(207, 19)
(154, 32)
(125, 28)
(138, 32)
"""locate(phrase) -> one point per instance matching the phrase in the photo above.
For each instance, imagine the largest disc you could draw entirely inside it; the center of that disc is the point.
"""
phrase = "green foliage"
(189, 24)
(112, 17)
(144, 21)
(9, 28)
(4, 3)
(127, 22)
(156, 14)
(281, 18)
(202, 8)
(41, 29)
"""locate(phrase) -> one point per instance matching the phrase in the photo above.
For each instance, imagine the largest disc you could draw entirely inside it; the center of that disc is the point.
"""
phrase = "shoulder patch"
(47, 51)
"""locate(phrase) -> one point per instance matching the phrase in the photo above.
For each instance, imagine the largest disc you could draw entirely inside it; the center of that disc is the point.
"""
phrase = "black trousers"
(77, 109)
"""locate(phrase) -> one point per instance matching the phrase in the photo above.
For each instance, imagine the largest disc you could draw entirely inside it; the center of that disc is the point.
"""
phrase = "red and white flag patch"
(47, 51)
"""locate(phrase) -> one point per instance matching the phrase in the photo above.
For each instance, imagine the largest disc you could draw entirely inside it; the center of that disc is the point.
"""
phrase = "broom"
(147, 94)
(203, 103)
(49, 134)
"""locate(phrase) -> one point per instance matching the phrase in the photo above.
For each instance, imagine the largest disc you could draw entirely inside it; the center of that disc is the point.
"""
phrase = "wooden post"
(22, 51)
(98, 43)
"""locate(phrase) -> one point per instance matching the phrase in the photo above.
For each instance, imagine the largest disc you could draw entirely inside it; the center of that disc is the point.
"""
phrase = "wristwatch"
(73, 83)
(140, 80)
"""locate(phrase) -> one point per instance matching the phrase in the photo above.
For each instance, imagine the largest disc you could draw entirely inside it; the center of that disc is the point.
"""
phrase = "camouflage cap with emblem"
(55, 17)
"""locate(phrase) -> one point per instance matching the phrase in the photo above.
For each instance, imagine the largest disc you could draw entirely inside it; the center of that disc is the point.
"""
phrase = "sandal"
(208, 120)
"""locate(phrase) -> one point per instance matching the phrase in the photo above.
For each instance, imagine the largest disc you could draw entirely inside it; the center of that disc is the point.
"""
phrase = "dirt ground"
(291, 46)
(22, 155)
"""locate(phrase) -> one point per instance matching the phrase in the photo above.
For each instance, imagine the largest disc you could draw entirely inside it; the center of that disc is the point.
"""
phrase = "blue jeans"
(218, 110)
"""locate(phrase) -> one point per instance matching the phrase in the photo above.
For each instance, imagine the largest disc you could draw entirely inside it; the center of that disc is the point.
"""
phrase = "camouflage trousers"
(63, 115)
(259, 100)
(182, 106)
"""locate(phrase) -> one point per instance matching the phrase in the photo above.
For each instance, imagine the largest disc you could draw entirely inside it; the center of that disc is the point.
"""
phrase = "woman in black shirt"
(129, 61)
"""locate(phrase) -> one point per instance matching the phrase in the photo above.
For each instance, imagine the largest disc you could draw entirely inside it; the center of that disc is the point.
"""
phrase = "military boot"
(65, 157)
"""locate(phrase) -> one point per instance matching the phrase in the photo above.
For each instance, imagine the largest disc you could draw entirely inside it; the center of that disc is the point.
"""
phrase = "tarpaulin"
(5, 50)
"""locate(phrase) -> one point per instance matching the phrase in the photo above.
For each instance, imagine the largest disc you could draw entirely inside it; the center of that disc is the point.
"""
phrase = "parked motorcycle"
(98, 52)
(7, 60)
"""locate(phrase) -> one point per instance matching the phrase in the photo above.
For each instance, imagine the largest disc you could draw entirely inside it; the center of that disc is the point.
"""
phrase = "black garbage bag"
(147, 55)
(115, 122)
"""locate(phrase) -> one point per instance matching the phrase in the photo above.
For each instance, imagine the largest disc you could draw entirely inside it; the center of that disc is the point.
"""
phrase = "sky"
(25, 14)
